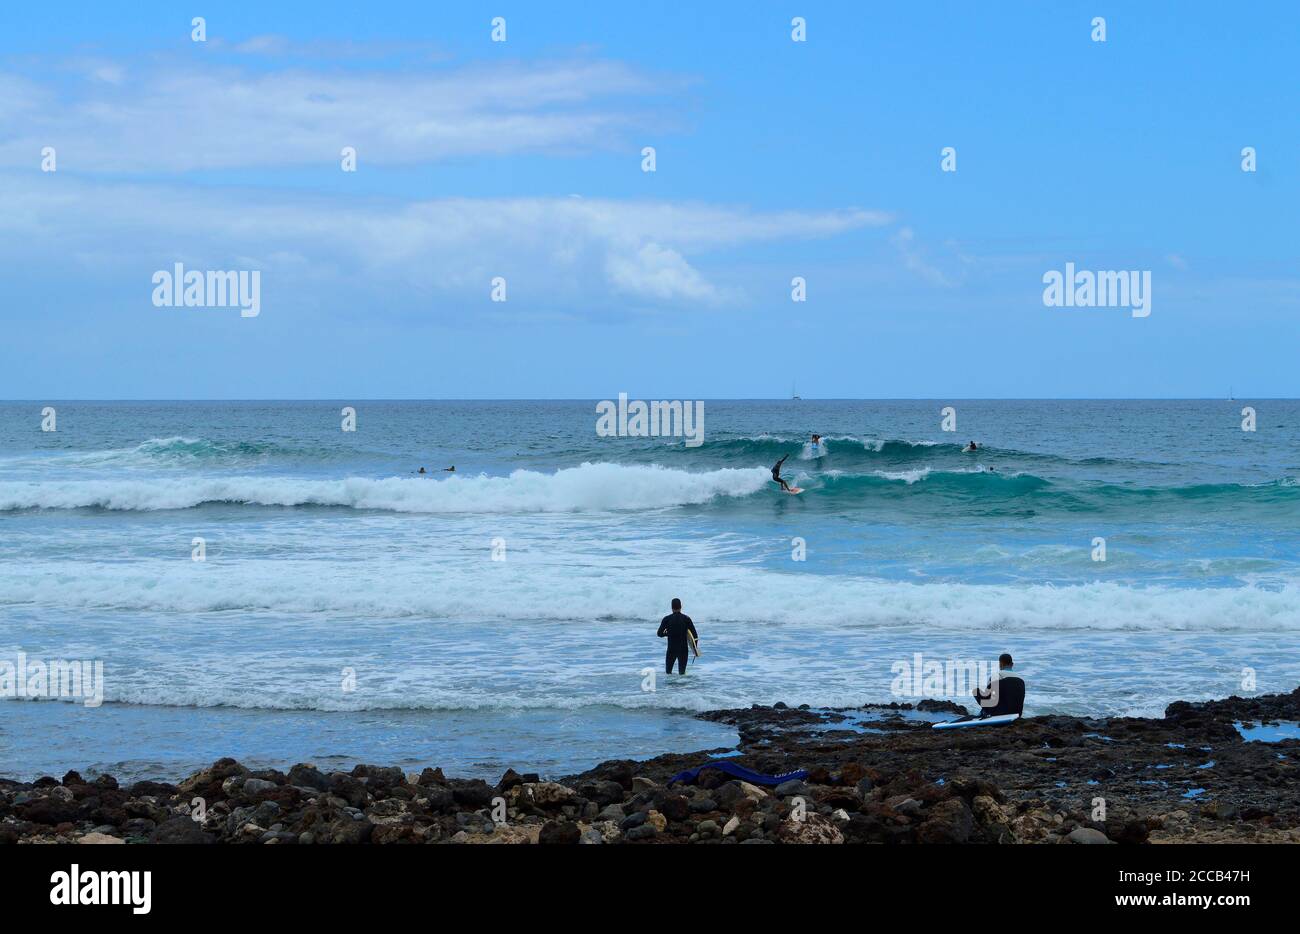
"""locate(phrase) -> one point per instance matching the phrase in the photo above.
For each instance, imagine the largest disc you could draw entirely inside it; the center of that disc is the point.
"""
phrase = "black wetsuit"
(1009, 693)
(776, 473)
(675, 626)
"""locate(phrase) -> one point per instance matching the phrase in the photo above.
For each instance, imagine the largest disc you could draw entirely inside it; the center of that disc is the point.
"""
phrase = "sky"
(522, 160)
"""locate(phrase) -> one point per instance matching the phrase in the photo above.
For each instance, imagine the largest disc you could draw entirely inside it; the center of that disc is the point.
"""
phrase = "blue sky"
(522, 159)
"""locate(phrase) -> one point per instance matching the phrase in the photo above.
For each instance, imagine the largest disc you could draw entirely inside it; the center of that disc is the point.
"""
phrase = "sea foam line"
(590, 487)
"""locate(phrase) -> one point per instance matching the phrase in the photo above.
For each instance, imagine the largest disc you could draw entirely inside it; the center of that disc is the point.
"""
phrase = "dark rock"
(473, 793)
(819, 776)
(559, 832)
(156, 789)
(266, 814)
(1132, 832)
(305, 775)
(206, 783)
(851, 773)
(378, 776)
(616, 770)
(840, 798)
(510, 780)
(602, 792)
(1221, 810)
(392, 833)
(711, 779)
(673, 807)
(141, 826)
(440, 799)
(948, 821)
(349, 789)
(347, 830)
(49, 811)
(728, 794)
(256, 787)
(942, 706)
(180, 830)
(793, 787)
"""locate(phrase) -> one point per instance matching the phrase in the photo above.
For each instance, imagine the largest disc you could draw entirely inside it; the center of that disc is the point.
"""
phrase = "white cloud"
(916, 259)
(140, 120)
(263, 45)
(154, 119)
(659, 272)
(560, 248)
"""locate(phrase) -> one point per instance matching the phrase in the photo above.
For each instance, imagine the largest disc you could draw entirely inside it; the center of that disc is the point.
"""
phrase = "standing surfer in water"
(678, 629)
(776, 474)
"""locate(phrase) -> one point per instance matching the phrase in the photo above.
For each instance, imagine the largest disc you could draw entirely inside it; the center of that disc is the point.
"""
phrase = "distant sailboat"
(1231, 397)
(794, 392)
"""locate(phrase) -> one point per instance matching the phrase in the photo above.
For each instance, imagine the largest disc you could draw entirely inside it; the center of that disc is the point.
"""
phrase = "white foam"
(548, 584)
(907, 476)
(809, 453)
(590, 487)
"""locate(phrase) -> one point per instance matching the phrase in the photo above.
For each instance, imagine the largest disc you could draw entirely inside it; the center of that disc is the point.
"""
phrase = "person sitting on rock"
(1005, 692)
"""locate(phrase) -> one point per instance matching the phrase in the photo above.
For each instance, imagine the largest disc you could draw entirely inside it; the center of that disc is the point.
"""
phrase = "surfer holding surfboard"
(680, 633)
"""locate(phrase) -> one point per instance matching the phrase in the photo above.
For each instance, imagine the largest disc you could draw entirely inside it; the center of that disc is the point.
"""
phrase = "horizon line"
(48, 400)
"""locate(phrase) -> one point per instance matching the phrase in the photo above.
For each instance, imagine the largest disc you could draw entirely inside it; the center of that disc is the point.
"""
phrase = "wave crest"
(590, 487)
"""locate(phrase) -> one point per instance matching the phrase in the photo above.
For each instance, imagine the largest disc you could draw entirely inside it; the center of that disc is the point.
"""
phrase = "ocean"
(348, 609)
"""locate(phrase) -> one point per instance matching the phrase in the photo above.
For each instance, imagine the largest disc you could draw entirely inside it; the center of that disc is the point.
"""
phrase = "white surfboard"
(987, 721)
(795, 490)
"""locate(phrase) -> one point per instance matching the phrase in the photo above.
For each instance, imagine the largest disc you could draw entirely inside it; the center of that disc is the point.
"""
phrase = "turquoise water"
(326, 554)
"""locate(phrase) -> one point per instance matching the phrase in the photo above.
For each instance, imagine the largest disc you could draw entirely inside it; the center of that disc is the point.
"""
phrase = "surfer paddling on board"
(680, 632)
(1005, 692)
(776, 474)
(971, 447)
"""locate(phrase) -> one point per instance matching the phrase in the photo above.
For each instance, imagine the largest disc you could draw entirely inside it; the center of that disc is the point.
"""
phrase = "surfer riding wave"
(776, 474)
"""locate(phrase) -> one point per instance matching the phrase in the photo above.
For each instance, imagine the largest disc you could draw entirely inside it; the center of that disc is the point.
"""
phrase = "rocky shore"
(876, 775)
